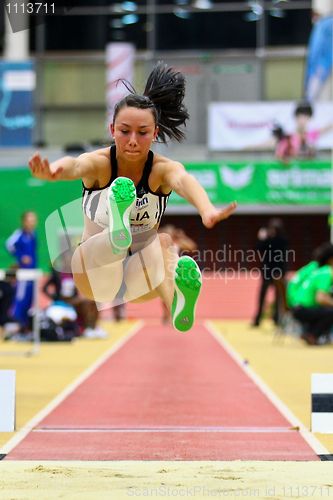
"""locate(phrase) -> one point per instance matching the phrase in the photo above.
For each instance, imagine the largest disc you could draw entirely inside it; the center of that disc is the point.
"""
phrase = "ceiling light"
(129, 6)
(130, 19)
(276, 12)
(182, 13)
(202, 4)
(251, 17)
(256, 8)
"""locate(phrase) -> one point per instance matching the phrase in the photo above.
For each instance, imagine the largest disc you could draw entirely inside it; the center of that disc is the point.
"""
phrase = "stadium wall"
(71, 96)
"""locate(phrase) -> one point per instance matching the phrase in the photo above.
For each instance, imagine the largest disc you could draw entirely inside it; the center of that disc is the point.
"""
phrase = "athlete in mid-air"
(126, 188)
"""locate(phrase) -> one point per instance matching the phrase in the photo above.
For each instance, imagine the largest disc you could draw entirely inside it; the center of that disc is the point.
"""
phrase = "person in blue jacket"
(22, 245)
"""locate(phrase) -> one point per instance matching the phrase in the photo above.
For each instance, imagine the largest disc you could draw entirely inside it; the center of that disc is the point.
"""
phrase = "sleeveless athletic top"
(149, 207)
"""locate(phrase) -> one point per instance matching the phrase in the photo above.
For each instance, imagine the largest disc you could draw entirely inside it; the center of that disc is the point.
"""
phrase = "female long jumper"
(125, 192)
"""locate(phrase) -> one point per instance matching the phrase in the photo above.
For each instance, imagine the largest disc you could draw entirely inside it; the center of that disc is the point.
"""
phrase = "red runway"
(166, 396)
(220, 298)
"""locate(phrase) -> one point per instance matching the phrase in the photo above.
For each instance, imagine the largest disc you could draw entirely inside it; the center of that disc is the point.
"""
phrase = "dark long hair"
(163, 94)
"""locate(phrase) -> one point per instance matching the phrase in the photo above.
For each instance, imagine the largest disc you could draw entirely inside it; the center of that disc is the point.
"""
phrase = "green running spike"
(122, 195)
(188, 284)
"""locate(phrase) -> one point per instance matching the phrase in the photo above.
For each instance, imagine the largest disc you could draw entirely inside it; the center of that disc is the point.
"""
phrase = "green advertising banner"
(250, 183)
(272, 183)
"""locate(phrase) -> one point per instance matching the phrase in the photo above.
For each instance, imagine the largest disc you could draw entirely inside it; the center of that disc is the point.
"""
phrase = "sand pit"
(158, 480)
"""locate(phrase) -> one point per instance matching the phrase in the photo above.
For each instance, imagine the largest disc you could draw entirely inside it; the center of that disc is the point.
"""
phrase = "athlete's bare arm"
(175, 177)
(89, 167)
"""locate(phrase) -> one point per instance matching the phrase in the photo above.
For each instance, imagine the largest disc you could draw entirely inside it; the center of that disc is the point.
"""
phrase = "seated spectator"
(312, 302)
(295, 283)
(60, 287)
(302, 142)
(284, 149)
(58, 322)
(7, 294)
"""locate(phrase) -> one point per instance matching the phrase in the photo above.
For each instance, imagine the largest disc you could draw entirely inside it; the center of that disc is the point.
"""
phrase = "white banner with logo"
(242, 125)
(120, 59)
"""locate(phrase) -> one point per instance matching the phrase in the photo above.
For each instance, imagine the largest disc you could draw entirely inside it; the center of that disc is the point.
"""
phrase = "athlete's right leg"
(97, 271)
(97, 264)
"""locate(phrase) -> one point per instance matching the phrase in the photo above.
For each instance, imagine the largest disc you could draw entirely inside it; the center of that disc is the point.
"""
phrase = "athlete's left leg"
(177, 281)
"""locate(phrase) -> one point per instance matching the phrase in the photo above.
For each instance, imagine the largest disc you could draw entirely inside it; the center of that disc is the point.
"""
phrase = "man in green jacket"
(310, 298)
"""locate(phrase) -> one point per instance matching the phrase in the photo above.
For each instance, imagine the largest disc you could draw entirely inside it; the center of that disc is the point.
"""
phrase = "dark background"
(201, 30)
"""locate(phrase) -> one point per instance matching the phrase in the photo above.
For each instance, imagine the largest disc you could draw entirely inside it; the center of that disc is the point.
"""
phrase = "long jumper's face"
(134, 131)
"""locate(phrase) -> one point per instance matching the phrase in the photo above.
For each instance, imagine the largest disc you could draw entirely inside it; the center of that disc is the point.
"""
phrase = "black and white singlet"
(149, 207)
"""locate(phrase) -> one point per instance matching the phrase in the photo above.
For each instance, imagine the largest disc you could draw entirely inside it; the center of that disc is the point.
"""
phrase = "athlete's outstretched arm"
(189, 188)
(66, 168)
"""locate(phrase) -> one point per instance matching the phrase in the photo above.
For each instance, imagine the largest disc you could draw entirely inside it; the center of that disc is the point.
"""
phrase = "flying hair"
(166, 89)
(163, 94)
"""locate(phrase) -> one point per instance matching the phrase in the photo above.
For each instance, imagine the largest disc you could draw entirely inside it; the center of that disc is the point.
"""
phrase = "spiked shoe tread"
(188, 284)
(122, 196)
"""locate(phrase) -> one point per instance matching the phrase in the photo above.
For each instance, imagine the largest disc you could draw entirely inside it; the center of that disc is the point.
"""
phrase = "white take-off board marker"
(322, 403)
(7, 400)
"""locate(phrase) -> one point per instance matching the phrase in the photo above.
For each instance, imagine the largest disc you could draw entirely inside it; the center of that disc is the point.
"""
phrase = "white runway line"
(195, 429)
(312, 441)
(22, 433)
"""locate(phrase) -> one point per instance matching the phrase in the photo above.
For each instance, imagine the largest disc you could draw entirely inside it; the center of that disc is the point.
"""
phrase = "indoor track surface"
(150, 412)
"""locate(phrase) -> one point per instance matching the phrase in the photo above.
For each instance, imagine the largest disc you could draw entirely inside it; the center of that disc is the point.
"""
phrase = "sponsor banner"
(120, 58)
(320, 57)
(299, 183)
(236, 126)
(17, 84)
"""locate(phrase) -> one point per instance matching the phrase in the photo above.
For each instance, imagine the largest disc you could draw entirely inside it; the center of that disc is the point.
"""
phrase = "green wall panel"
(19, 191)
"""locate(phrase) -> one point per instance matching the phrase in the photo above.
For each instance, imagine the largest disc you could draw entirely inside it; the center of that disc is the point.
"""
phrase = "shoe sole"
(122, 196)
(188, 284)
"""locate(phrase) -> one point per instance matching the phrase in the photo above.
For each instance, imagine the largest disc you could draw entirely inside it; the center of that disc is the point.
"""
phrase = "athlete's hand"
(215, 215)
(41, 169)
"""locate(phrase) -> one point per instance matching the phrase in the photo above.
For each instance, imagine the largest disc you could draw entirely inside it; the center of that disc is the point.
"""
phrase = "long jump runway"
(166, 396)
